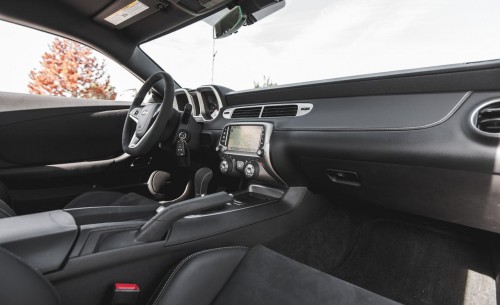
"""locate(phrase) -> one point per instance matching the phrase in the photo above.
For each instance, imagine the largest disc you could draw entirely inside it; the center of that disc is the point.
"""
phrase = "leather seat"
(6, 210)
(90, 199)
(224, 276)
(107, 198)
(256, 276)
(5, 201)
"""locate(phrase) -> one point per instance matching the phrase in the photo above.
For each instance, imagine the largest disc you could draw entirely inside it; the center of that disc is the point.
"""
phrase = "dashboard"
(407, 142)
(417, 153)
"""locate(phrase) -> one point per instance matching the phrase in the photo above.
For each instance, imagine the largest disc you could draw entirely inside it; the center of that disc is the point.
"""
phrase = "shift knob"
(201, 180)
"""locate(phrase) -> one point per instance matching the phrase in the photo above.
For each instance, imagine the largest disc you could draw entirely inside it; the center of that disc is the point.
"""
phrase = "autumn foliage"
(72, 70)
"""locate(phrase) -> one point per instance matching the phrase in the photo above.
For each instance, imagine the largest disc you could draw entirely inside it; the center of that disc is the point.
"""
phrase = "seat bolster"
(20, 284)
(266, 277)
(107, 198)
(6, 210)
(92, 199)
(200, 277)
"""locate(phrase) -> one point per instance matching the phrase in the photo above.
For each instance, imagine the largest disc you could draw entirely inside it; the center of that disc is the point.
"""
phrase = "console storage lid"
(43, 240)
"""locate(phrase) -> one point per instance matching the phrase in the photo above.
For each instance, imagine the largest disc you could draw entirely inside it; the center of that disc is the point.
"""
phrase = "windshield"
(323, 39)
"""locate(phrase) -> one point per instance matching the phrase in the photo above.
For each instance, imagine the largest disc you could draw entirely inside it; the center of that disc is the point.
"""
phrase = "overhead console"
(244, 150)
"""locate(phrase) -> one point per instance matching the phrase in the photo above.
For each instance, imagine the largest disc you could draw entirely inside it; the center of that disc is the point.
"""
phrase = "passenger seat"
(222, 276)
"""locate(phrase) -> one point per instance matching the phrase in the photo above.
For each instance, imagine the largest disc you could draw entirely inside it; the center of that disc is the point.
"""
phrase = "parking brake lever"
(157, 227)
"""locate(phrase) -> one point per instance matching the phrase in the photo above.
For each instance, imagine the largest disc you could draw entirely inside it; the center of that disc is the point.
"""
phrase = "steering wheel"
(146, 134)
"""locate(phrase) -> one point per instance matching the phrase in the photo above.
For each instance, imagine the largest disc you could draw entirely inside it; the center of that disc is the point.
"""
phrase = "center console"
(244, 150)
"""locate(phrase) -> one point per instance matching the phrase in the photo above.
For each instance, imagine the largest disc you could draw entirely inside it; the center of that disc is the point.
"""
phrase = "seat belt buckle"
(125, 294)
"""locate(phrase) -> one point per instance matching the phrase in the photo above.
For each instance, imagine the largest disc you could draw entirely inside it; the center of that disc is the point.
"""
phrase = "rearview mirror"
(230, 23)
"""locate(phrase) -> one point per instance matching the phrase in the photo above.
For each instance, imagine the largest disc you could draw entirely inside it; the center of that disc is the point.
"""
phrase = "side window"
(35, 62)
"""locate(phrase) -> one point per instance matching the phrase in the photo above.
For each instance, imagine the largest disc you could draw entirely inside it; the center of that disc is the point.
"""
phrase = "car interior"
(373, 189)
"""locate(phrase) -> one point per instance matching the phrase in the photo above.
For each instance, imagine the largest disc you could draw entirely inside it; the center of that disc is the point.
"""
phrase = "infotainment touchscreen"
(244, 138)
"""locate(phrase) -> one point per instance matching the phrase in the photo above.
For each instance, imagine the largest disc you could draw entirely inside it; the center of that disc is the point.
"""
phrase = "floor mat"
(408, 262)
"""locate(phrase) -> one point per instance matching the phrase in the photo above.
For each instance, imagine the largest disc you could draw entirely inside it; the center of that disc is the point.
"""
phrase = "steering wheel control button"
(145, 119)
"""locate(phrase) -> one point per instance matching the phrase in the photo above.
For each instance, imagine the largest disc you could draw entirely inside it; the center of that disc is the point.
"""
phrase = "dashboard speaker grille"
(280, 110)
(488, 118)
(247, 112)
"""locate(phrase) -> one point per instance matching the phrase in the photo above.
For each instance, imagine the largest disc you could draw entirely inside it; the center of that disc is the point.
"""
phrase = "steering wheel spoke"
(134, 141)
(157, 111)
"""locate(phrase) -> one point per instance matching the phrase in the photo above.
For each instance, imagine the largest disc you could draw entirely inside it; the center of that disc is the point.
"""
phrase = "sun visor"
(123, 13)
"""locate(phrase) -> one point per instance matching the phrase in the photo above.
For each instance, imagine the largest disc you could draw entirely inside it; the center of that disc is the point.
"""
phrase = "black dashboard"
(414, 152)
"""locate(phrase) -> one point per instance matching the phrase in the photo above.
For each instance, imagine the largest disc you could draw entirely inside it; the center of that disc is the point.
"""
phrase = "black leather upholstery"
(255, 277)
(4, 194)
(5, 202)
(21, 284)
(6, 210)
(231, 275)
(106, 198)
(92, 199)
(200, 277)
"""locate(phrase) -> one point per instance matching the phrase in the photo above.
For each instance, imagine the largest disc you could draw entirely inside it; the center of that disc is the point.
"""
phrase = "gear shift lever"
(201, 180)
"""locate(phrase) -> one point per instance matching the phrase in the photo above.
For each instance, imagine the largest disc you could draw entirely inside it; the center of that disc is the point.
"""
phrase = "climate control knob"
(251, 170)
(224, 167)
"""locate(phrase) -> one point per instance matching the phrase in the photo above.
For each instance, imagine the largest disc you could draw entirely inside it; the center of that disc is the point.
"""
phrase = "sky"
(333, 38)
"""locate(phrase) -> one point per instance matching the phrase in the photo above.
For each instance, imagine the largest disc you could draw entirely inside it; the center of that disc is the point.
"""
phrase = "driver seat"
(89, 199)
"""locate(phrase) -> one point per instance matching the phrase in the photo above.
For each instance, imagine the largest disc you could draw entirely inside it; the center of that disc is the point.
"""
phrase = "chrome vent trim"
(485, 119)
(203, 112)
(180, 92)
(302, 109)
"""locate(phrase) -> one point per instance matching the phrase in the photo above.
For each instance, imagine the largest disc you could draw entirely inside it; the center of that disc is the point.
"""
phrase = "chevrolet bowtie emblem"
(144, 112)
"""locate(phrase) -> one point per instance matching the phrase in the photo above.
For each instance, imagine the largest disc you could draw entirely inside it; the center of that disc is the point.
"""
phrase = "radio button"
(240, 165)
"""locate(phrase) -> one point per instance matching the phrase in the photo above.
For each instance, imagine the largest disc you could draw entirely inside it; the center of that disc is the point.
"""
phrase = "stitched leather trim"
(183, 262)
(402, 128)
(6, 213)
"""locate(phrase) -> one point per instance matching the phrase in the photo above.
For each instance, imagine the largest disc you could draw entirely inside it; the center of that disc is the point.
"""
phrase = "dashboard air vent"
(280, 110)
(488, 118)
(247, 112)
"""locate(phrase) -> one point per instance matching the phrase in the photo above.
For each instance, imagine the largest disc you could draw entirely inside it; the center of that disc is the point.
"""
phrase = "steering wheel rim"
(141, 139)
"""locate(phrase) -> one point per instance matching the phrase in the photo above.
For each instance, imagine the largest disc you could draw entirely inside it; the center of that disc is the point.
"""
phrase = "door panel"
(40, 130)
(67, 138)
(56, 148)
